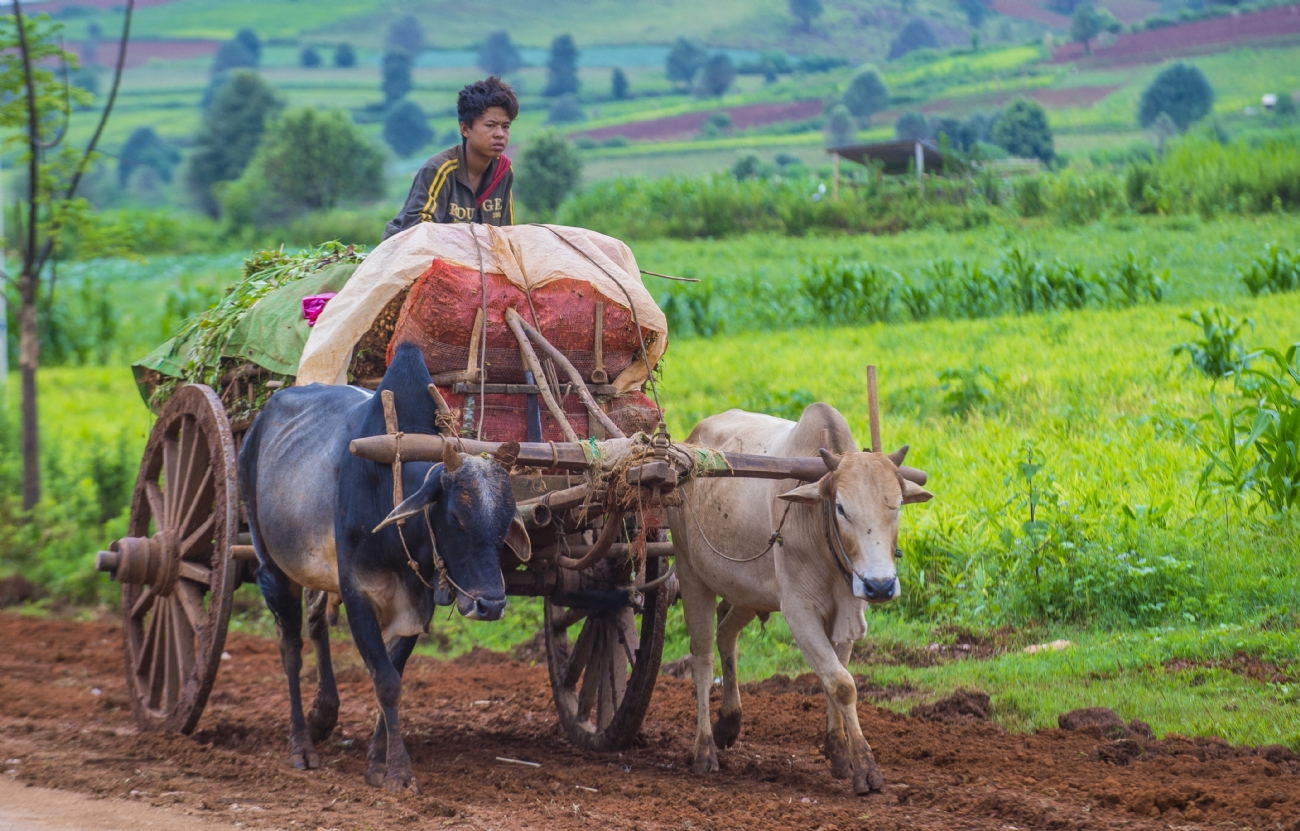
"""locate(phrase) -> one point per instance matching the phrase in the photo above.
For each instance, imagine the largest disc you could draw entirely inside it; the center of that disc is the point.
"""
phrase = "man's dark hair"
(475, 99)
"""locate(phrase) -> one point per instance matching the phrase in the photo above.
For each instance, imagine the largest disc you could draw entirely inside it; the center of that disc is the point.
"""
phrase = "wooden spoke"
(157, 505)
(581, 652)
(142, 604)
(570, 617)
(186, 489)
(627, 636)
(191, 599)
(196, 572)
(196, 501)
(171, 461)
(591, 679)
(201, 534)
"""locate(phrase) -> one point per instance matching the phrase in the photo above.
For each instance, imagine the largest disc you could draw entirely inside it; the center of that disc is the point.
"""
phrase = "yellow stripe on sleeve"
(435, 187)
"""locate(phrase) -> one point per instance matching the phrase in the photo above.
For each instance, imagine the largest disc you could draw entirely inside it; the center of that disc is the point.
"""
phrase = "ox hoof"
(375, 775)
(706, 760)
(868, 781)
(321, 721)
(727, 730)
(399, 782)
(305, 759)
(840, 768)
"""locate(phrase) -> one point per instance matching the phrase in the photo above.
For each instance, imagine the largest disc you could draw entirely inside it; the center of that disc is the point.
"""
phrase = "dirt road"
(64, 723)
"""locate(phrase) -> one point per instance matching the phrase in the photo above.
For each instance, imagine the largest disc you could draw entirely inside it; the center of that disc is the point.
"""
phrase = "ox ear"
(899, 455)
(809, 494)
(517, 539)
(913, 492)
(428, 494)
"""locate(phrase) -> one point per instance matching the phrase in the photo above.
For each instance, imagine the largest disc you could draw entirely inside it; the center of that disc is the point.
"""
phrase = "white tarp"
(530, 256)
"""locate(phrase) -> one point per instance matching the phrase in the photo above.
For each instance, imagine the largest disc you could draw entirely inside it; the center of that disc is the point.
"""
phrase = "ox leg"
(727, 730)
(324, 714)
(841, 694)
(837, 745)
(388, 756)
(284, 599)
(699, 607)
(389, 764)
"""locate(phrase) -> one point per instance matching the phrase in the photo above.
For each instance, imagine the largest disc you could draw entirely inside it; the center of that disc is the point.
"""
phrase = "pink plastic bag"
(314, 304)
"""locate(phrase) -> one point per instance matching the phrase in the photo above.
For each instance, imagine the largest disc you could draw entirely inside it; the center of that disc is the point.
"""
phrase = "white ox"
(834, 554)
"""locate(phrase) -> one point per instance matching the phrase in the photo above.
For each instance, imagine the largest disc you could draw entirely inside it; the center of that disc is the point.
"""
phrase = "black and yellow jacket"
(441, 193)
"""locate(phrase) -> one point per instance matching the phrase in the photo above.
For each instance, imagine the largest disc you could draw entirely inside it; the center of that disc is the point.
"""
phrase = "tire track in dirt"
(461, 715)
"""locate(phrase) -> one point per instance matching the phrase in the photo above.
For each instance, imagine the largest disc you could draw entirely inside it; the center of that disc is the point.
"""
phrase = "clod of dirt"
(16, 589)
(680, 668)
(961, 707)
(481, 657)
(1101, 719)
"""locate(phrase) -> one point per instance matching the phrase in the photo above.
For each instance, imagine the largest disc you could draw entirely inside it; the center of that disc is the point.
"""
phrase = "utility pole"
(4, 312)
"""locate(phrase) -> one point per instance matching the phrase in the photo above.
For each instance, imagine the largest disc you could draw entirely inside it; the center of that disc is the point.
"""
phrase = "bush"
(312, 160)
(549, 170)
(396, 70)
(309, 57)
(1028, 196)
(1182, 92)
(841, 292)
(1022, 130)
(1273, 273)
(618, 84)
(684, 59)
(866, 95)
(1219, 352)
(717, 76)
(406, 128)
(565, 110)
(344, 56)
(562, 67)
(916, 34)
(497, 55)
(911, 126)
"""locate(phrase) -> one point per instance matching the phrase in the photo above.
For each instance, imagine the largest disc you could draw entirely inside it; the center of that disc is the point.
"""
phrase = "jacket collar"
(462, 169)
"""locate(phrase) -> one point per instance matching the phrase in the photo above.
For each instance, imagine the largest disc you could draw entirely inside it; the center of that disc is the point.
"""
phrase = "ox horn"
(899, 455)
(832, 461)
(450, 457)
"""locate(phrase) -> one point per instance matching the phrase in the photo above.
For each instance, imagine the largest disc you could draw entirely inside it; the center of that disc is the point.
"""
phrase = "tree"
(247, 38)
(406, 128)
(1181, 91)
(309, 57)
(562, 67)
(911, 126)
(718, 75)
(866, 95)
(310, 160)
(497, 55)
(1285, 106)
(565, 110)
(1022, 130)
(232, 54)
(35, 109)
(618, 84)
(839, 127)
(405, 34)
(549, 170)
(917, 34)
(1088, 21)
(396, 81)
(806, 11)
(144, 148)
(976, 11)
(230, 134)
(684, 60)
(344, 56)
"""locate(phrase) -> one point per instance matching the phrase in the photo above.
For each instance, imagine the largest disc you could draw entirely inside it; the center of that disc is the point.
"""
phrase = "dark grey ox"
(316, 512)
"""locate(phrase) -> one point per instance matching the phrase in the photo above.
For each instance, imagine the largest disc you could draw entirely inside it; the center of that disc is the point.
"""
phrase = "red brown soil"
(688, 125)
(1277, 25)
(1245, 665)
(460, 716)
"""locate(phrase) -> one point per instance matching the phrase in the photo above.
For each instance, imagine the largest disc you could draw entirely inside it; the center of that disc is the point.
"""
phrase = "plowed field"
(1277, 25)
(64, 723)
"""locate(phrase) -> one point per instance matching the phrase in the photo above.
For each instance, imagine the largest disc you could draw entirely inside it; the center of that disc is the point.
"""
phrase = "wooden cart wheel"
(175, 567)
(603, 678)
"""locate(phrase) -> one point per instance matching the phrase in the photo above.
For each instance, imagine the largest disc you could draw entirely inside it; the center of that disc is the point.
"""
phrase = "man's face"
(490, 132)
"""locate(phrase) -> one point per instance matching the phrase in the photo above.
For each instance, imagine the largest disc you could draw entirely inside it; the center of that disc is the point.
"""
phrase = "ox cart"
(593, 507)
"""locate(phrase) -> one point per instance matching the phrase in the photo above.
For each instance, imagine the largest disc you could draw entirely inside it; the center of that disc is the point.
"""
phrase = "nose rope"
(444, 576)
(831, 530)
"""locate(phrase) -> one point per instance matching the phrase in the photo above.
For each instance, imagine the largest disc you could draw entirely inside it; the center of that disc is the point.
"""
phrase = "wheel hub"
(140, 561)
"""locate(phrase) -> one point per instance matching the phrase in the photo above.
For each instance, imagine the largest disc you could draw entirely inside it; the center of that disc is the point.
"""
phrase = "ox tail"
(248, 485)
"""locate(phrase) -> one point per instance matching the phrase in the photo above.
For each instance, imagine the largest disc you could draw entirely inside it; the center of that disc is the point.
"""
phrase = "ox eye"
(839, 509)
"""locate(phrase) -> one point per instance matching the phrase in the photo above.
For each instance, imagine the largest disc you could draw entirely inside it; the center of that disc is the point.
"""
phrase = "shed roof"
(897, 156)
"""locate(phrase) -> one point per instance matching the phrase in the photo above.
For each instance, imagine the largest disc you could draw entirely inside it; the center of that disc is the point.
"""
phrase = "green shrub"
(840, 292)
(1219, 352)
(1275, 272)
(1132, 282)
(1027, 194)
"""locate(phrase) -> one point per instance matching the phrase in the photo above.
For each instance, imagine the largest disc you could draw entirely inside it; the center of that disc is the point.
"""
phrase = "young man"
(469, 182)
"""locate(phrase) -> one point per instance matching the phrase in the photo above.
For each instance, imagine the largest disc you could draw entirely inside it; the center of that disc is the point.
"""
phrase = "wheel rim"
(603, 663)
(175, 567)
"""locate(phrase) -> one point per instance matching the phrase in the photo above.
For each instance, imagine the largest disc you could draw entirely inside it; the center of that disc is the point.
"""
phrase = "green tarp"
(272, 334)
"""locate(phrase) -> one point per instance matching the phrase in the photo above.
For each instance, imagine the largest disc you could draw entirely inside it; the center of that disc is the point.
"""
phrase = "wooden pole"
(873, 408)
(835, 180)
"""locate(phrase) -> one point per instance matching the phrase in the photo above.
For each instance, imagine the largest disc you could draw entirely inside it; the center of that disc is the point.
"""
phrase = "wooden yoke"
(390, 424)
